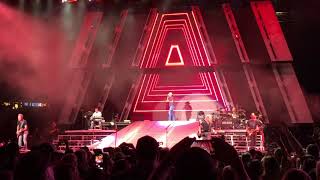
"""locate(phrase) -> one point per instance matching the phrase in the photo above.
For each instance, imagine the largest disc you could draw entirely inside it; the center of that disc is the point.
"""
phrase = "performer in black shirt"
(205, 127)
(22, 131)
(253, 128)
(188, 110)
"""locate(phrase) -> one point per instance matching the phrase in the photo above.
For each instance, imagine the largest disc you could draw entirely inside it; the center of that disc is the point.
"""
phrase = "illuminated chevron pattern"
(178, 31)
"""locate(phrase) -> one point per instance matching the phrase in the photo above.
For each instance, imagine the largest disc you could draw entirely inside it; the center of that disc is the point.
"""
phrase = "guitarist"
(22, 131)
(253, 127)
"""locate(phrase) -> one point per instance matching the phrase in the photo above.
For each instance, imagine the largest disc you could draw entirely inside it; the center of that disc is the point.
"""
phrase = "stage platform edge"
(167, 133)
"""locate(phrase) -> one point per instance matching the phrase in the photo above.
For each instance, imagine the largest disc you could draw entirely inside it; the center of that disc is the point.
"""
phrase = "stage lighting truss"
(150, 88)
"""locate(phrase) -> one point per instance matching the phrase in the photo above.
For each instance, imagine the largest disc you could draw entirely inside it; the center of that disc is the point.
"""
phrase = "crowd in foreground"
(148, 161)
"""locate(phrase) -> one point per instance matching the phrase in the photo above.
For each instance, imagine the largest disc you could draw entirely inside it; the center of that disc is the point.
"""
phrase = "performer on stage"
(22, 131)
(171, 116)
(254, 126)
(96, 116)
(188, 110)
(205, 127)
(53, 131)
(234, 113)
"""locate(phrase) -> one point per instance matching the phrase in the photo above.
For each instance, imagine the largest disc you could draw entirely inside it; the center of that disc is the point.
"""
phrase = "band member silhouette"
(188, 110)
(254, 126)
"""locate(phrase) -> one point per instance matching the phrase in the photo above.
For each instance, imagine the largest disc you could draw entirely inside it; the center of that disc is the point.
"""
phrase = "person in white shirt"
(171, 116)
(96, 116)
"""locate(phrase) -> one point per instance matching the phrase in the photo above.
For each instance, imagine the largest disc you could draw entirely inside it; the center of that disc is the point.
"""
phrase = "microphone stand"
(116, 129)
(167, 134)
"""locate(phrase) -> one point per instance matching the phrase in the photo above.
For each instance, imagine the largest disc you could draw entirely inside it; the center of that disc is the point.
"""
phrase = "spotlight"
(68, 1)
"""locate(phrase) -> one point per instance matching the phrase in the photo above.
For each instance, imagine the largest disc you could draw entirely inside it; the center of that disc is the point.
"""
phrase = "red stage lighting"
(180, 63)
(68, 1)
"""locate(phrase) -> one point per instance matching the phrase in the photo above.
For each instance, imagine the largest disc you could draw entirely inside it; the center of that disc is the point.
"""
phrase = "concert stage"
(209, 58)
(167, 133)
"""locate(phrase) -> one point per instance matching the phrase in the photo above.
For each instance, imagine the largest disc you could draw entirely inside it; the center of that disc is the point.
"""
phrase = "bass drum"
(240, 123)
(244, 123)
(237, 123)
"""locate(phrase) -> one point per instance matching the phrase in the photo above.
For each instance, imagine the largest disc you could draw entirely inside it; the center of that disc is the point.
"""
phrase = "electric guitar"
(19, 132)
(252, 131)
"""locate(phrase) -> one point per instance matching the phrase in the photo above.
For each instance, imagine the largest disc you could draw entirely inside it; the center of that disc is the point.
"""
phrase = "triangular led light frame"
(181, 63)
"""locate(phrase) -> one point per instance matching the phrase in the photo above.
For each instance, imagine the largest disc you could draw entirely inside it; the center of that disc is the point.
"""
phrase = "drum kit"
(235, 118)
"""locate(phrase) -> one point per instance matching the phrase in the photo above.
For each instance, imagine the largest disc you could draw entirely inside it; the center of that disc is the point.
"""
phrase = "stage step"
(80, 138)
(167, 133)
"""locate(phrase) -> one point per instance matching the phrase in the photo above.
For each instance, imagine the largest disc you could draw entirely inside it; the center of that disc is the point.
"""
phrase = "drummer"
(234, 113)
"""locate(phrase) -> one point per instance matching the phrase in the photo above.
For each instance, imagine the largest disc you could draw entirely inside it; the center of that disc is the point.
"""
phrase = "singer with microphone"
(171, 116)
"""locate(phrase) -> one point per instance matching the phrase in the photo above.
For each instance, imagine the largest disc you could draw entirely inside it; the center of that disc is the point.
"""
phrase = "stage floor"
(167, 133)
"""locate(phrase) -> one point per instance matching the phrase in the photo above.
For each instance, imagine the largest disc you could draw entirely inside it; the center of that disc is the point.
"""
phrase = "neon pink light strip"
(181, 63)
(156, 41)
(144, 54)
(186, 37)
(202, 80)
(161, 43)
(191, 54)
(161, 88)
(196, 41)
(168, 90)
(195, 94)
(193, 33)
(203, 85)
(154, 82)
(171, 21)
(177, 27)
(157, 48)
(194, 110)
(153, 42)
(214, 91)
(148, 84)
(223, 100)
(188, 44)
(137, 100)
(182, 86)
(191, 46)
(211, 100)
(206, 82)
(204, 48)
(177, 90)
(201, 39)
